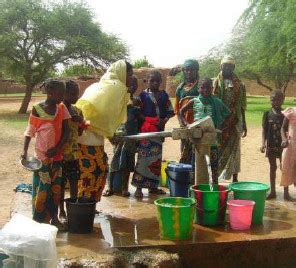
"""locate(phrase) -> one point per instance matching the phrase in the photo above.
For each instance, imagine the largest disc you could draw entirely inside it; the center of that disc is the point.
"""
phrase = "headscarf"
(228, 59)
(104, 104)
(191, 63)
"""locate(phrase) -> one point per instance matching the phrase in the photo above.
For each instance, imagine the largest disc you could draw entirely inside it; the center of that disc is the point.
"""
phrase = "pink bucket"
(240, 213)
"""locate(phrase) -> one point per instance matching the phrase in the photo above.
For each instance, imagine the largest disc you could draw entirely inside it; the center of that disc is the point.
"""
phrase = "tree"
(142, 63)
(78, 70)
(36, 36)
(264, 42)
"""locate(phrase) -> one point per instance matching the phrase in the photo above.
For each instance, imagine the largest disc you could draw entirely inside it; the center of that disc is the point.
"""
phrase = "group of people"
(70, 132)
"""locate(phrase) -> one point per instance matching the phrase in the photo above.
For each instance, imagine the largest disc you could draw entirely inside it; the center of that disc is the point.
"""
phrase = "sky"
(168, 31)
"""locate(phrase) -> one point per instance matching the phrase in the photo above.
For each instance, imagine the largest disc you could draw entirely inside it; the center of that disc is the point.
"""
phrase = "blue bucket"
(179, 179)
(117, 181)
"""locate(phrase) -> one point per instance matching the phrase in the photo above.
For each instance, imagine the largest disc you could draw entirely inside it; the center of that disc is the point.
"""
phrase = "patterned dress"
(70, 162)
(184, 94)
(148, 167)
(233, 94)
(47, 129)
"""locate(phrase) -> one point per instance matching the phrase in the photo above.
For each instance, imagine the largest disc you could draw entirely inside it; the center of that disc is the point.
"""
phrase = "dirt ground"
(254, 164)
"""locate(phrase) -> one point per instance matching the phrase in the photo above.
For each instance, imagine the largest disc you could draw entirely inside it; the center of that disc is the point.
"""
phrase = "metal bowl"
(31, 163)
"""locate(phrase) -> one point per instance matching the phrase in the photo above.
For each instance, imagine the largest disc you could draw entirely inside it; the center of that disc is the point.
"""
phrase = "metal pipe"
(149, 135)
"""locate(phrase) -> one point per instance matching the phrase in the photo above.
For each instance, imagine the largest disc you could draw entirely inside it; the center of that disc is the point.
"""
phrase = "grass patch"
(256, 106)
(15, 95)
(13, 120)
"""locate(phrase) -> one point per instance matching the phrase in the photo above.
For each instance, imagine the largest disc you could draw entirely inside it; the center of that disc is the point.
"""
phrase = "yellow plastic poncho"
(104, 104)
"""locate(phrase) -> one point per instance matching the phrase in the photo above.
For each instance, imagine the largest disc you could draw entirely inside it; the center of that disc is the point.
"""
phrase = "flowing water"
(210, 172)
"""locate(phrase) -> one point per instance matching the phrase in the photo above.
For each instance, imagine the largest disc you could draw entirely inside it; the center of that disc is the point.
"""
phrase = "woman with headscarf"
(104, 106)
(184, 93)
(232, 92)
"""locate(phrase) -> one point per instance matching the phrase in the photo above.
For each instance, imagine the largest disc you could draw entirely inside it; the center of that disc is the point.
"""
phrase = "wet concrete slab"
(129, 224)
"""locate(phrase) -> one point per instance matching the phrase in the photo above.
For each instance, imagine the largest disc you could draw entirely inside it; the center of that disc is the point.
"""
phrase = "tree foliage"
(36, 35)
(264, 42)
(142, 63)
(79, 70)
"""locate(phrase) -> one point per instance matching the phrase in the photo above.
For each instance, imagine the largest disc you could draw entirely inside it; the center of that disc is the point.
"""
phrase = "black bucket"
(80, 216)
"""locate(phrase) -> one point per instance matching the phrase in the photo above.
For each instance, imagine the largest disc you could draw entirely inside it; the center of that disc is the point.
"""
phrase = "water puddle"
(120, 232)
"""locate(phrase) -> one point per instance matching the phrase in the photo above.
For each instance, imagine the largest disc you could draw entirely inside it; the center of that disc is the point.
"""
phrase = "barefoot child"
(207, 105)
(123, 160)
(288, 132)
(48, 123)
(271, 138)
(70, 164)
(157, 109)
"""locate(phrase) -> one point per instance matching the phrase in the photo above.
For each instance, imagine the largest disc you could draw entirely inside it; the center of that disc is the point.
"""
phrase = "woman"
(184, 93)
(232, 92)
(95, 105)
(157, 110)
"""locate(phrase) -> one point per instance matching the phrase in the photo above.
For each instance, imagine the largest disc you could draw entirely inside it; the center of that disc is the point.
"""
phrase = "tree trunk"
(26, 100)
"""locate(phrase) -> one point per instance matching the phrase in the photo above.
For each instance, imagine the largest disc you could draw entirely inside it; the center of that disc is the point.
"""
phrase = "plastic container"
(240, 214)
(80, 216)
(179, 179)
(175, 217)
(211, 204)
(254, 191)
(164, 181)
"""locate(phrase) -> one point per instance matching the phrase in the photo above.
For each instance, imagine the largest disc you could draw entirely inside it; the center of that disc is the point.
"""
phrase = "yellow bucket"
(163, 181)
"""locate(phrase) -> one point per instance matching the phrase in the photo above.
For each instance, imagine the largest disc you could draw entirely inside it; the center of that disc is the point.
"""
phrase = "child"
(124, 151)
(271, 138)
(157, 109)
(48, 123)
(207, 105)
(288, 132)
(70, 164)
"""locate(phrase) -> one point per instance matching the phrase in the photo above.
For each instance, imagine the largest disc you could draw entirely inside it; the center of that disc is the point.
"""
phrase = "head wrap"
(191, 63)
(228, 59)
(99, 99)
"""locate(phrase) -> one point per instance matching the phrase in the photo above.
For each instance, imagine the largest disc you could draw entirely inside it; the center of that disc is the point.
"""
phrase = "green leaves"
(264, 41)
(37, 35)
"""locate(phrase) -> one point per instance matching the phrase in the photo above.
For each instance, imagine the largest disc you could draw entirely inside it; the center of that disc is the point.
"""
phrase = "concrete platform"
(128, 224)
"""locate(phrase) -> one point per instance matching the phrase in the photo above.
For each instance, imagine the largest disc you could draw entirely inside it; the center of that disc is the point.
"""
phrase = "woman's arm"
(244, 134)
(26, 146)
(183, 110)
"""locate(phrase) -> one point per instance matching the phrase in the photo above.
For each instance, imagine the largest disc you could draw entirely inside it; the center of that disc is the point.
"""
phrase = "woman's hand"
(24, 155)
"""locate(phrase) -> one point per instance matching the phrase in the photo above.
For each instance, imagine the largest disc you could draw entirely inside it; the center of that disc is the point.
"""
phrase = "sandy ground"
(254, 164)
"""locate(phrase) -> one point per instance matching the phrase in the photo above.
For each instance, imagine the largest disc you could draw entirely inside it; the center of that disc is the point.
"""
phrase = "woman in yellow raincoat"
(104, 106)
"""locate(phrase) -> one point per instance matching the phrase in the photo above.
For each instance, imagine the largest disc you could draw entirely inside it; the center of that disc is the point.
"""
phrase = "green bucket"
(211, 203)
(175, 217)
(252, 191)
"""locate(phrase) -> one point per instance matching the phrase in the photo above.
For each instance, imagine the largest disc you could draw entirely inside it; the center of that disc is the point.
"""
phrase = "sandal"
(108, 193)
(156, 191)
(138, 194)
